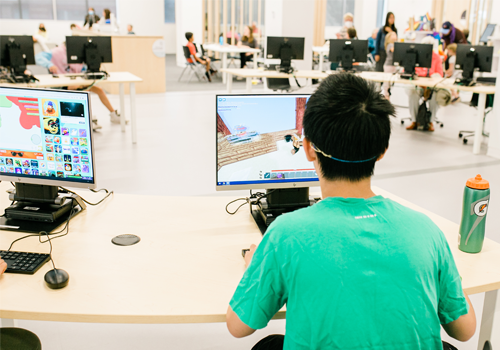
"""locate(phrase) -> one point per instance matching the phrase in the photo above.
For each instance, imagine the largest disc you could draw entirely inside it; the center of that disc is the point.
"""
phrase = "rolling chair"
(279, 84)
(192, 65)
(468, 133)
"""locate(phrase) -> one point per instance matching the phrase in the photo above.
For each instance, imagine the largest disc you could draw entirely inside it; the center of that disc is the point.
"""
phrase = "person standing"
(380, 53)
(91, 18)
(450, 35)
(389, 67)
(348, 23)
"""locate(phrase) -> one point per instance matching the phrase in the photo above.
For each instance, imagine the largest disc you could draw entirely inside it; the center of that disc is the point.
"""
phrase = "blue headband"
(340, 160)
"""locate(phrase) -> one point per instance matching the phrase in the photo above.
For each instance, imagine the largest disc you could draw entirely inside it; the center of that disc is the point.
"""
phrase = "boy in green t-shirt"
(356, 270)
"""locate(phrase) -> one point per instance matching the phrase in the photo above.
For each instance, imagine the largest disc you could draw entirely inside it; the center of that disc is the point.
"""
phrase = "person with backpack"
(415, 93)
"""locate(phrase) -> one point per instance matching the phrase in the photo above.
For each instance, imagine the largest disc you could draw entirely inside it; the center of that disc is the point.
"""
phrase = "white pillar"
(188, 18)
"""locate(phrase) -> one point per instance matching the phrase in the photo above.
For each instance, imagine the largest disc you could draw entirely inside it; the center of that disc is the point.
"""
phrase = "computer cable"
(254, 199)
(108, 193)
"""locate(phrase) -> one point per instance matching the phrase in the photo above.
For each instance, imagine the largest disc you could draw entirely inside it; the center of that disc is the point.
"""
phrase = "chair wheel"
(442, 125)
(465, 141)
(460, 135)
(402, 122)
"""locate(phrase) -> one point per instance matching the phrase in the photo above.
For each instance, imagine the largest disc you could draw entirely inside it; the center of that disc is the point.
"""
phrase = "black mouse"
(56, 279)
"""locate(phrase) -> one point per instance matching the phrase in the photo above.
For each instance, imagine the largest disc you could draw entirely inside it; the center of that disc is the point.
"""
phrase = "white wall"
(57, 30)
(365, 17)
(403, 10)
(188, 16)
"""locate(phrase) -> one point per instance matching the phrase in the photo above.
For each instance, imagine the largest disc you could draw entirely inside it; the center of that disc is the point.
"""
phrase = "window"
(71, 10)
(26, 9)
(100, 5)
(169, 11)
(335, 11)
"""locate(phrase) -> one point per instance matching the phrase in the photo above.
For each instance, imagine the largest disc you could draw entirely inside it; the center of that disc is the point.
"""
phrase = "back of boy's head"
(352, 33)
(347, 118)
(189, 35)
(452, 48)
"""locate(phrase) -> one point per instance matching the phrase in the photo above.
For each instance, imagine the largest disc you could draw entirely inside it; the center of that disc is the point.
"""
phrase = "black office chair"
(279, 84)
(192, 65)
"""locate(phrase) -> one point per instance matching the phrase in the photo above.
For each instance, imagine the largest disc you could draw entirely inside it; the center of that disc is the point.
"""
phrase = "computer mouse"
(56, 278)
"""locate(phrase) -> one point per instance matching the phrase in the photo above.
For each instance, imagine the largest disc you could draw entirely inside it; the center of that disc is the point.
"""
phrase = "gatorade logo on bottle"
(480, 208)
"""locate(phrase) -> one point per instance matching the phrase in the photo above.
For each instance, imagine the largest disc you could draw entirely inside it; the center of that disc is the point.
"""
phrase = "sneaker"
(95, 126)
(115, 117)
(430, 127)
(413, 126)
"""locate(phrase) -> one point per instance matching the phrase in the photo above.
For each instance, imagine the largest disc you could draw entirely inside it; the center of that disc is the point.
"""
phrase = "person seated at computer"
(450, 35)
(348, 23)
(416, 93)
(74, 26)
(203, 60)
(247, 41)
(450, 71)
(91, 18)
(130, 30)
(351, 33)
(56, 62)
(17, 338)
(355, 270)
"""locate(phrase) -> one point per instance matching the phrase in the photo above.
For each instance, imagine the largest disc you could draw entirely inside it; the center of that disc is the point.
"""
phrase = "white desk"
(321, 50)
(121, 78)
(226, 49)
(185, 268)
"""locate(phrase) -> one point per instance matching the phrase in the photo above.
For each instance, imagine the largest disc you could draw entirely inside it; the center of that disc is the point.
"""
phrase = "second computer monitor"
(92, 50)
(285, 48)
(16, 51)
(411, 55)
(470, 58)
(348, 51)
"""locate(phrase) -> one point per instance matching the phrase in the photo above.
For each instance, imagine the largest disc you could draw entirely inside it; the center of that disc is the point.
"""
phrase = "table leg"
(224, 66)
(8, 322)
(478, 133)
(249, 84)
(133, 120)
(490, 326)
(229, 83)
(122, 106)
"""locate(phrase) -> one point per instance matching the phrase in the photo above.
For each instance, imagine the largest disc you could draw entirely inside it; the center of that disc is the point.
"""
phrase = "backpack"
(423, 116)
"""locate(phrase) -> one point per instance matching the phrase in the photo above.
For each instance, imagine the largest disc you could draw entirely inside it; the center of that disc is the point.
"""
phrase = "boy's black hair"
(189, 35)
(348, 119)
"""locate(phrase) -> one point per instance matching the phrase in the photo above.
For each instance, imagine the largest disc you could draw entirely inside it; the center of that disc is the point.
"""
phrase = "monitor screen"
(259, 142)
(45, 136)
(490, 28)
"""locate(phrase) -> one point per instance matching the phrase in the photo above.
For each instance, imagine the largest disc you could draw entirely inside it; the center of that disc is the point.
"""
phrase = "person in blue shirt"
(372, 42)
(355, 270)
(380, 53)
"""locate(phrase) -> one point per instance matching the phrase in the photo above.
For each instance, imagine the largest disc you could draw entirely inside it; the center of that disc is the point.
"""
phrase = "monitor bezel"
(59, 183)
(255, 186)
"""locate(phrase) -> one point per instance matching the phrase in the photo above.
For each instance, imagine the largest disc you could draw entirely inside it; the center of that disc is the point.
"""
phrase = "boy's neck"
(346, 189)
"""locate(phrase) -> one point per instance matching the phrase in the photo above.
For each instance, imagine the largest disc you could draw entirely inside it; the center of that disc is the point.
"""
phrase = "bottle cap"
(478, 183)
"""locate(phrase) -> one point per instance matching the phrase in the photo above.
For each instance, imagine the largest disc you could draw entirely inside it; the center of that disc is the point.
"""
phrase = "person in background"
(380, 41)
(246, 41)
(450, 72)
(389, 67)
(466, 35)
(348, 23)
(450, 35)
(355, 270)
(74, 26)
(57, 63)
(351, 33)
(42, 31)
(130, 30)
(106, 16)
(415, 93)
(232, 33)
(372, 41)
(41, 36)
(204, 60)
(91, 18)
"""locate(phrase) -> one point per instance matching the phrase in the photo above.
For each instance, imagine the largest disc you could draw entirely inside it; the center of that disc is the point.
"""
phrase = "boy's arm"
(464, 327)
(235, 326)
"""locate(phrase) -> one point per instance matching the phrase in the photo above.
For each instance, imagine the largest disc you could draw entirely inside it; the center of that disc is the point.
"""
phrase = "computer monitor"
(92, 50)
(348, 51)
(286, 49)
(411, 55)
(471, 58)
(490, 28)
(45, 142)
(16, 51)
(259, 146)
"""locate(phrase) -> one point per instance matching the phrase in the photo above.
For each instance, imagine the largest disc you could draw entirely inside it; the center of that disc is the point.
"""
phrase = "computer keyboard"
(23, 262)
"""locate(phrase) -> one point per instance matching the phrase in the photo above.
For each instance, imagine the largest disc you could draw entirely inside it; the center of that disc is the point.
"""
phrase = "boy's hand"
(3, 266)
(249, 255)
(53, 70)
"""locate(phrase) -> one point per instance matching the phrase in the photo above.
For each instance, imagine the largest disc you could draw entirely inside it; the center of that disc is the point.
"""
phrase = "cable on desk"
(108, 193)
(254, 199)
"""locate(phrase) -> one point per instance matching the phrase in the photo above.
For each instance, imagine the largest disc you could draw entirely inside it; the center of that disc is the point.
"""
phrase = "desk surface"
(228, 48)
(48, 81)
(250, 73)
(184, 270)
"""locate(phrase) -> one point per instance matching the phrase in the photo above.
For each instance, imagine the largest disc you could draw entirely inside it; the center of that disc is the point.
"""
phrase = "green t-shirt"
(354, 274)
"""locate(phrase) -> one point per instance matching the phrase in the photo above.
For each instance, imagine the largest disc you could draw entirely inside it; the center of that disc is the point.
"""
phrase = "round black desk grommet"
(126, 240)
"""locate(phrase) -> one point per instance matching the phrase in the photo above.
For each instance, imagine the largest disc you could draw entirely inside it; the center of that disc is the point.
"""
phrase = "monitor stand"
(39, 208)
(280, 201)
(286, 54)
(468, 69)
(93, 61)
(409, 63)
(347, 58)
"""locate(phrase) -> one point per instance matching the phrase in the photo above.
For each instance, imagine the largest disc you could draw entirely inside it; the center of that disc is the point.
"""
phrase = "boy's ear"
(310, 152)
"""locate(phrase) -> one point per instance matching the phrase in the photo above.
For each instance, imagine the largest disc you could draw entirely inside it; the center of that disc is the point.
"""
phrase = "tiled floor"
(175, 155)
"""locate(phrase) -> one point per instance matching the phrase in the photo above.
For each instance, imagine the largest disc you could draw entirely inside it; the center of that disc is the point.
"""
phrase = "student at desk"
(246, 41)
(56, 62)
(356, 270)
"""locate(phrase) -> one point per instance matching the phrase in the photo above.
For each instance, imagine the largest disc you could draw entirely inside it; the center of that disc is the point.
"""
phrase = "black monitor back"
(75, 47)
(274, 44)
(360, 49)
(26, 44)
(424, 53)
(483, 59)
